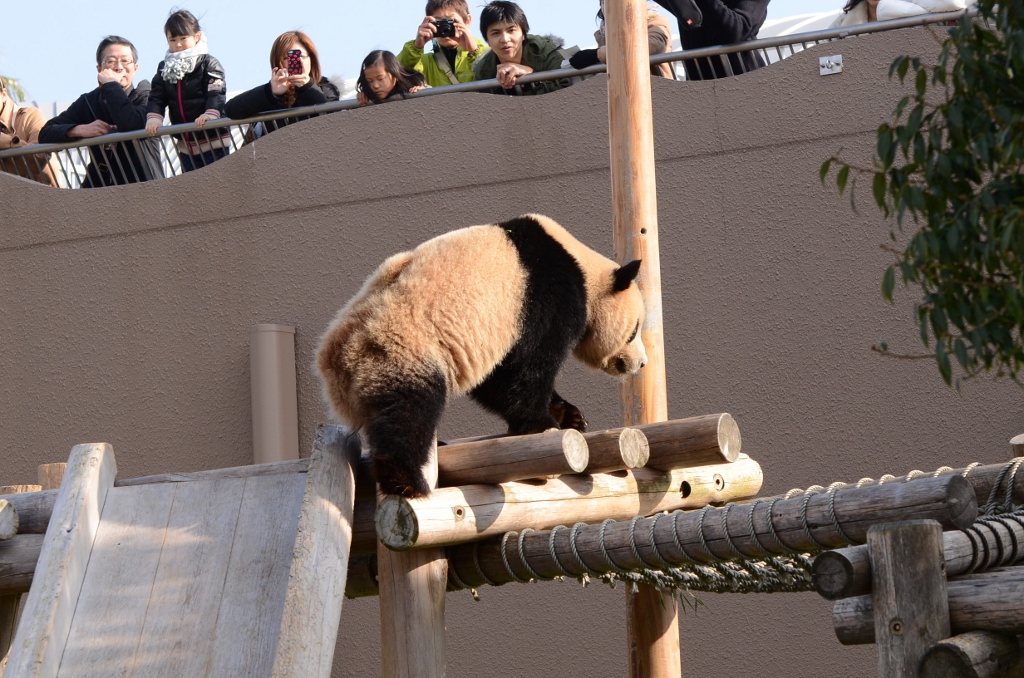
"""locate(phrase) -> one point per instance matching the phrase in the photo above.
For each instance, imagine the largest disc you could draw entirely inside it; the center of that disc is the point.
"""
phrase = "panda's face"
(613, 342)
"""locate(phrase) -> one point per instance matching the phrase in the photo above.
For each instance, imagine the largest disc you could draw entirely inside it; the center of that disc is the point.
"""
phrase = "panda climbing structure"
(492, 311)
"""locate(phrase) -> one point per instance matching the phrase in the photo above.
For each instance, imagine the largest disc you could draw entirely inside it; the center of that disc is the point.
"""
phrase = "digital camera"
(445, 28)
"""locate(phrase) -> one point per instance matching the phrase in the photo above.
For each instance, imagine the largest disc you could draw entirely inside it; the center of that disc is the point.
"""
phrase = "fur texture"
(492, 311)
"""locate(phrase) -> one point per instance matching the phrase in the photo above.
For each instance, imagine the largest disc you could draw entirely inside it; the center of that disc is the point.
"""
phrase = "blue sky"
(58, 64)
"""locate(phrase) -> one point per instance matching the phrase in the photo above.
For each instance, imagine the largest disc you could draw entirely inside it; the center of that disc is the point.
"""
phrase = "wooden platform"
(239, 572)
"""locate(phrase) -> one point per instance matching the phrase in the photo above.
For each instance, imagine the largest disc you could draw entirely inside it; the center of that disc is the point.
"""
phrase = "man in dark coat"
(115, 106)
(708, 23)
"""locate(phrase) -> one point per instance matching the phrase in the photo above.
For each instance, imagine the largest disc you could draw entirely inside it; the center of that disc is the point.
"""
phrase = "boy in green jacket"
(455, 49)
(514, 52)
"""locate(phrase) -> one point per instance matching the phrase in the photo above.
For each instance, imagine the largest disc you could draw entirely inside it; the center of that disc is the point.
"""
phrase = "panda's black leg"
(566, 414)
(521, 397)
(401, 430)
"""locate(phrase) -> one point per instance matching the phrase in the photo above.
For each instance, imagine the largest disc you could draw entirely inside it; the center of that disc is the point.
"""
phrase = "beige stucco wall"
(124, 316)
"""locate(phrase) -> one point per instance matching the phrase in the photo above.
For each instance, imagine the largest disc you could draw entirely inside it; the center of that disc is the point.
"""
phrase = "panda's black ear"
(625, 274)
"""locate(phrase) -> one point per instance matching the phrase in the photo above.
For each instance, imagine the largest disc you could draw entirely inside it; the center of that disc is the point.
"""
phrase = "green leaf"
(878, 188)
(888, 283)
(841, 178)
(823, 172)
(942, 358)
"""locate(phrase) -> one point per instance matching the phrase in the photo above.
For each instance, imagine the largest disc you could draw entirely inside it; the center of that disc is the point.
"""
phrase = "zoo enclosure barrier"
(157, 158)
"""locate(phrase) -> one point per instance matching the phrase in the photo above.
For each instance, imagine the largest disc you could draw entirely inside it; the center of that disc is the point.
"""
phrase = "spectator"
(382, 78)
(117, 105)
(708, 23)
(864, 11)
(190, 82)
(454, 55)
(659, 41)
(514, 52)
(20, 126)
(286, 89)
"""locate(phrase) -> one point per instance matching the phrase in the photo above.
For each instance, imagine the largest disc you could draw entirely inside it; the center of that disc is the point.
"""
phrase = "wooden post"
(412, 591)
(1017, 445)
(975, 654)
(908, 593)
(51, 475)
(653, 618)
(10, 603)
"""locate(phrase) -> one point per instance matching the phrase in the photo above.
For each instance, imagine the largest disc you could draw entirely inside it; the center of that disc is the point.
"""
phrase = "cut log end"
(1017, 445)
(963, 504)
(634, 448)
(831, 575)
(975, 654)
(396, 523)
(8, 520)
(729, 437)
(577, 454)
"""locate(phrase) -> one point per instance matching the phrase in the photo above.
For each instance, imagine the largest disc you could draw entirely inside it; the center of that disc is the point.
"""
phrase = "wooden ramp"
(234, 572)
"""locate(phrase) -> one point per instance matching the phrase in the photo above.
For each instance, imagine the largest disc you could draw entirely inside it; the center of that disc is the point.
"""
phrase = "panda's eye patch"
(635, 330)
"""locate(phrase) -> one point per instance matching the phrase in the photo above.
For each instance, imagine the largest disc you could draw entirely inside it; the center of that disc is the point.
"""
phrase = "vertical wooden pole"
(52, 475)
(908, 594)
(653, 618)
(10, 605)
(412, 591)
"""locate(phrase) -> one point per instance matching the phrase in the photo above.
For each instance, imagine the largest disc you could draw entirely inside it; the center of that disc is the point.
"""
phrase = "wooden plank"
(316, 581)
(458, 514)
(51, 475)
(252, 602)
(291, 466)
(113, 603)
(186, 589)
(412, 597)
(908, 594)
(976, 654)
(50, 605)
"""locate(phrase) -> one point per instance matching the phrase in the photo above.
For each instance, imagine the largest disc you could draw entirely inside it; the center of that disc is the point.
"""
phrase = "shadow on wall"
(126, 314)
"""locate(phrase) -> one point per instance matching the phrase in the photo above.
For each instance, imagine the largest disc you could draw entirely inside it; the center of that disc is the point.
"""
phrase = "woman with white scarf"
(190, 84)
(863, 11)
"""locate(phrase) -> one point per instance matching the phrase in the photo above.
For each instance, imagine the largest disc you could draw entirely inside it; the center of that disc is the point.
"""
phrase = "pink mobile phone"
(295, 62)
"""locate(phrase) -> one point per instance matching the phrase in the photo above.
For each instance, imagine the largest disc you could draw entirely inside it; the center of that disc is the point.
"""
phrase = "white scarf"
(179, 64)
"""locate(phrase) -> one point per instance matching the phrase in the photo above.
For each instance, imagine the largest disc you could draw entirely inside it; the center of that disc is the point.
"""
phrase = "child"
(191, 83)
(382, 78)
(514, 52)
(453, 57)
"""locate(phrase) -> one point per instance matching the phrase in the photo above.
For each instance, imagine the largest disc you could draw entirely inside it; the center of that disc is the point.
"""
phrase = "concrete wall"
(124, 316)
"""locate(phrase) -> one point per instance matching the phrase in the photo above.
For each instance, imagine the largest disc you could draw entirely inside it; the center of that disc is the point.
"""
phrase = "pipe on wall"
(275, 409)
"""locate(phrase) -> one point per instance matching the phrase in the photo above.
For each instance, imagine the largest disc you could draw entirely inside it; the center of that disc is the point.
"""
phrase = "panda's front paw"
(568, 416)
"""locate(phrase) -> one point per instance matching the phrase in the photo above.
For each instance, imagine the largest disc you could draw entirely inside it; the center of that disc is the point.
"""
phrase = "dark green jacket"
(539, 53)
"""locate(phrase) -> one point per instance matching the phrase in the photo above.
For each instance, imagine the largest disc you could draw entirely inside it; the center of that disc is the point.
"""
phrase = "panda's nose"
(643, 364)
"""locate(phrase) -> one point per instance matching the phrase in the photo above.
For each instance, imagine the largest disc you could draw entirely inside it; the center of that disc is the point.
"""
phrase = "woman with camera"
(295, 81)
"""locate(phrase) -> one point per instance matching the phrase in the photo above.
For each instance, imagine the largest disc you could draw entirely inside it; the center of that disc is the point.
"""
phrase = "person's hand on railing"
(509, 72)
(96, 128)
(152, 126)
(362, 99)
(203, 119)
(584, 58)
(425, 33)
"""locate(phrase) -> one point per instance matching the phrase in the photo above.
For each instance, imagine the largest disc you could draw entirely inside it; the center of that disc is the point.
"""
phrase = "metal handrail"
(801, 40)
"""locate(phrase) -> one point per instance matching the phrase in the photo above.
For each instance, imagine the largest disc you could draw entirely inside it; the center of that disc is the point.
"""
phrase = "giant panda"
(492, 311)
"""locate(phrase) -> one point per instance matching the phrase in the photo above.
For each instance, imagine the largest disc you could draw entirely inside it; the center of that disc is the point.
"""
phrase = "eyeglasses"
(114, 61)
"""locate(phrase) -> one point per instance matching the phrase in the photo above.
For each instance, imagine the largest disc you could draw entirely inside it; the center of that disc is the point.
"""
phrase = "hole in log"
(643, 231)
(719, 482)
(685, 489)
(459, 512)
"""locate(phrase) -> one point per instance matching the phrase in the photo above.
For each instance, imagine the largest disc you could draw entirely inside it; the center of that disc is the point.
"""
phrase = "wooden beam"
(452, 515)
(412, 597)
(1017, 445)
(51, 475)
(49, 607)
(19, 489)
(909, 594)
(846, 572)
(499, 460)
(708, 439)
(8, 520)
(11, 557)
(616, 449)
(989, 601)
(975, 654)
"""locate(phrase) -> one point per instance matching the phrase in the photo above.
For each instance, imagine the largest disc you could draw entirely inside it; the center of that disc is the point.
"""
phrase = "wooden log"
(459, 514)
(948, 500)
(412, 597)
(18, 557)
(616, 449)
(8, 520)
(908, 592)
(975, 654)
(989, 601)
(51, 475)
(40, 642)
(498, 460)
(846, 572)
(708, 439)
(19, 489)
(1017, 445)
(10, 601)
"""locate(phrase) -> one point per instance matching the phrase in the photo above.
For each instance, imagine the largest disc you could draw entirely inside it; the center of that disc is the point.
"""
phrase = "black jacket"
(120, 163)
(199, 91)
(262, 100)
(724, 22)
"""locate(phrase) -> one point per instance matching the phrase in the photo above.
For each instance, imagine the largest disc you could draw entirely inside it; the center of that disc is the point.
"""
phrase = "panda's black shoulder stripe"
(555, 282)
